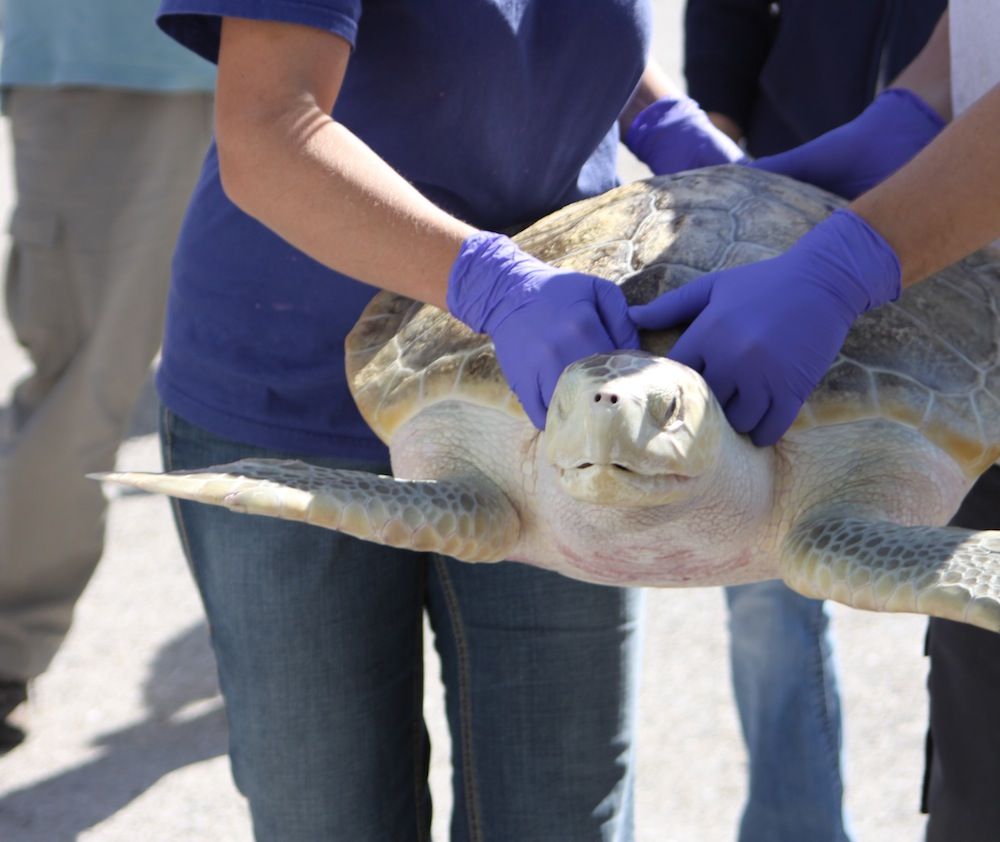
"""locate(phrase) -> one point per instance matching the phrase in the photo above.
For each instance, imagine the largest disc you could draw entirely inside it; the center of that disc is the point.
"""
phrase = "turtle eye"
(663, 407)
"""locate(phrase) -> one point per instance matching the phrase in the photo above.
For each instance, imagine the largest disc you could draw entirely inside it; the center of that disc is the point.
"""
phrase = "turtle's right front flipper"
(881, 566)
(467, 518)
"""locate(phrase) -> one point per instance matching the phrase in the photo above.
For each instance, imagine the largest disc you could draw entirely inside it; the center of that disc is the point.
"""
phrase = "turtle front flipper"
(881, 566)
(467, 518)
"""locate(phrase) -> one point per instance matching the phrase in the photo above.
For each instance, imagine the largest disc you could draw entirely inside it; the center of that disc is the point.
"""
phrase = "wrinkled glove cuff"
(870, 273)
(641, 135)
(472, 292)
(923, 120)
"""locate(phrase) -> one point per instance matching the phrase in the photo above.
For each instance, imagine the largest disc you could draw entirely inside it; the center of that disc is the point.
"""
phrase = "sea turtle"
(638, 479)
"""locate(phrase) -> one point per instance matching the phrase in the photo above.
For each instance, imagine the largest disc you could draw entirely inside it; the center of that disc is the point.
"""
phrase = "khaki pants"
(103, 177)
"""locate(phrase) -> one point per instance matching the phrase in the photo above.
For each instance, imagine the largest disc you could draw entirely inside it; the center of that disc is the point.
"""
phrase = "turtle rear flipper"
(467, 518)
(881, 566)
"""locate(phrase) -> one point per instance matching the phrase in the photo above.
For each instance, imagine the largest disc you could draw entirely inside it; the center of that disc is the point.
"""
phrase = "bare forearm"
(318, 186)
(726, 124)
(944, 204)
(929, 74)
(284, 161)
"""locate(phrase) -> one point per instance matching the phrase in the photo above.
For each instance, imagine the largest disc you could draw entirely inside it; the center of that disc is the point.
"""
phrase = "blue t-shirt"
(108, 43)
(500, 111)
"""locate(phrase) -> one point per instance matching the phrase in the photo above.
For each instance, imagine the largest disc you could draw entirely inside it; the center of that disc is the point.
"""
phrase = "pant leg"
(786, 691)
(540, 674)
(962, 787)
(102, 177)
(318, 640)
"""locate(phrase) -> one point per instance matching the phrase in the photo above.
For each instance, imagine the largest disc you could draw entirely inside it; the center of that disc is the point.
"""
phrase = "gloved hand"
(540, 318)
(854, 157)
(762, 335)
(675, 134)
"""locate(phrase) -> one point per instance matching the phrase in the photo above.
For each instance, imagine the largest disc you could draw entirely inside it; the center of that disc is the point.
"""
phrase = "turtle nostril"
(610, 397)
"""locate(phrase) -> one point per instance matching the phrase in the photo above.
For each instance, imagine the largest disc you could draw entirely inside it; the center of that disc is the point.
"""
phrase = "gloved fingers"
(530, 397)
(687, 350)
(721, 380)
(548, 376)
(747, 407)
(776, 421)
(587, 336)
(582, 331)
(522, 375)
(613, 312)
(791, 163)
(675, 307)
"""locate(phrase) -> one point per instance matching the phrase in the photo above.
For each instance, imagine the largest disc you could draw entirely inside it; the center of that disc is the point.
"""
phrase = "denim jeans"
(318, 639)
(786, 690)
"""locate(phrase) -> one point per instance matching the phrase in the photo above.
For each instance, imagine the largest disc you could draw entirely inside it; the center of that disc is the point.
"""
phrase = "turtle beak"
(609, 417)
(593, 421)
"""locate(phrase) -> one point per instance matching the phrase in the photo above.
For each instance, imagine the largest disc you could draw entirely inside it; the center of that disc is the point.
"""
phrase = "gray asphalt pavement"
(128, 736)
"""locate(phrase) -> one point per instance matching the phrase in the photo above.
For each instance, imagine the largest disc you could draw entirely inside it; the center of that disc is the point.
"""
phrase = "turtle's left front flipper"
(882, 566)
(467, 518)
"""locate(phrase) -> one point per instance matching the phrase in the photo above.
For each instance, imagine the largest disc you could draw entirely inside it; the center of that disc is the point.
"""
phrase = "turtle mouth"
(584, 465)
(620, 485)
(622, 468)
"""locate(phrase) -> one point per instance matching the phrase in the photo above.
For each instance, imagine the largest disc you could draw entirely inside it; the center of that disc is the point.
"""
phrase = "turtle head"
(632, 429)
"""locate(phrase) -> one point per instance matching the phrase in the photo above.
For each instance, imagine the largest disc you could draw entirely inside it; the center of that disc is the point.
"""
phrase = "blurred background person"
(110, 121)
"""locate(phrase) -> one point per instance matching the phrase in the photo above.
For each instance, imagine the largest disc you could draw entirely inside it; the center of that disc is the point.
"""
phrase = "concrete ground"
(128, 736)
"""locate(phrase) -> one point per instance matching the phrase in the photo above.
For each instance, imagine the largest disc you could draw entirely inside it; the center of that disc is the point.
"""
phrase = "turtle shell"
(928, 361)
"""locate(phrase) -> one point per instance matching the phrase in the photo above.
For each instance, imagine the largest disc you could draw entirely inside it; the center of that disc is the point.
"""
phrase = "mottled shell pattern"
(929, 361)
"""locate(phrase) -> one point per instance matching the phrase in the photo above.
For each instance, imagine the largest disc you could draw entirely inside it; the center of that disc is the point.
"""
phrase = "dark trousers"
(962, 777)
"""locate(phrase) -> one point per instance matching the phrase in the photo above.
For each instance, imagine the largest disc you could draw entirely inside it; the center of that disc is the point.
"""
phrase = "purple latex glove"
(856, 156)
(762, 335)
(540, 318)
(674, 134)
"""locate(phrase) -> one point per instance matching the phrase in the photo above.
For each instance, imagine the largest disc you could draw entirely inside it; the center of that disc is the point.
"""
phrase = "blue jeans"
(786, 690)
(319, 648)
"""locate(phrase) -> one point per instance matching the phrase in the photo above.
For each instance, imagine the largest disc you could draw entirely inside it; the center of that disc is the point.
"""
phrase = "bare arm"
(945, 203)
(656, 84)
(287, 163)
(929, 74)
(726, 124)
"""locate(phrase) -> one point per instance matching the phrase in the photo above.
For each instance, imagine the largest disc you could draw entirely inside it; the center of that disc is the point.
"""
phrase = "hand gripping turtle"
(638, 479)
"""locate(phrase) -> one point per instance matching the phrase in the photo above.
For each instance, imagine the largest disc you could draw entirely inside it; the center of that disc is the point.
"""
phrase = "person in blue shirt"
(109, 121)
(366, 145)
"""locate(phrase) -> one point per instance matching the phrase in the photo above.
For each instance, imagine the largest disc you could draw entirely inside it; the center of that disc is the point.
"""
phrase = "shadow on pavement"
(184, 724)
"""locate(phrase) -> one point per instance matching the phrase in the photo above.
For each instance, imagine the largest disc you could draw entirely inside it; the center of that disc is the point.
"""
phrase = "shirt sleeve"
(726, 43)
(197, 24)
